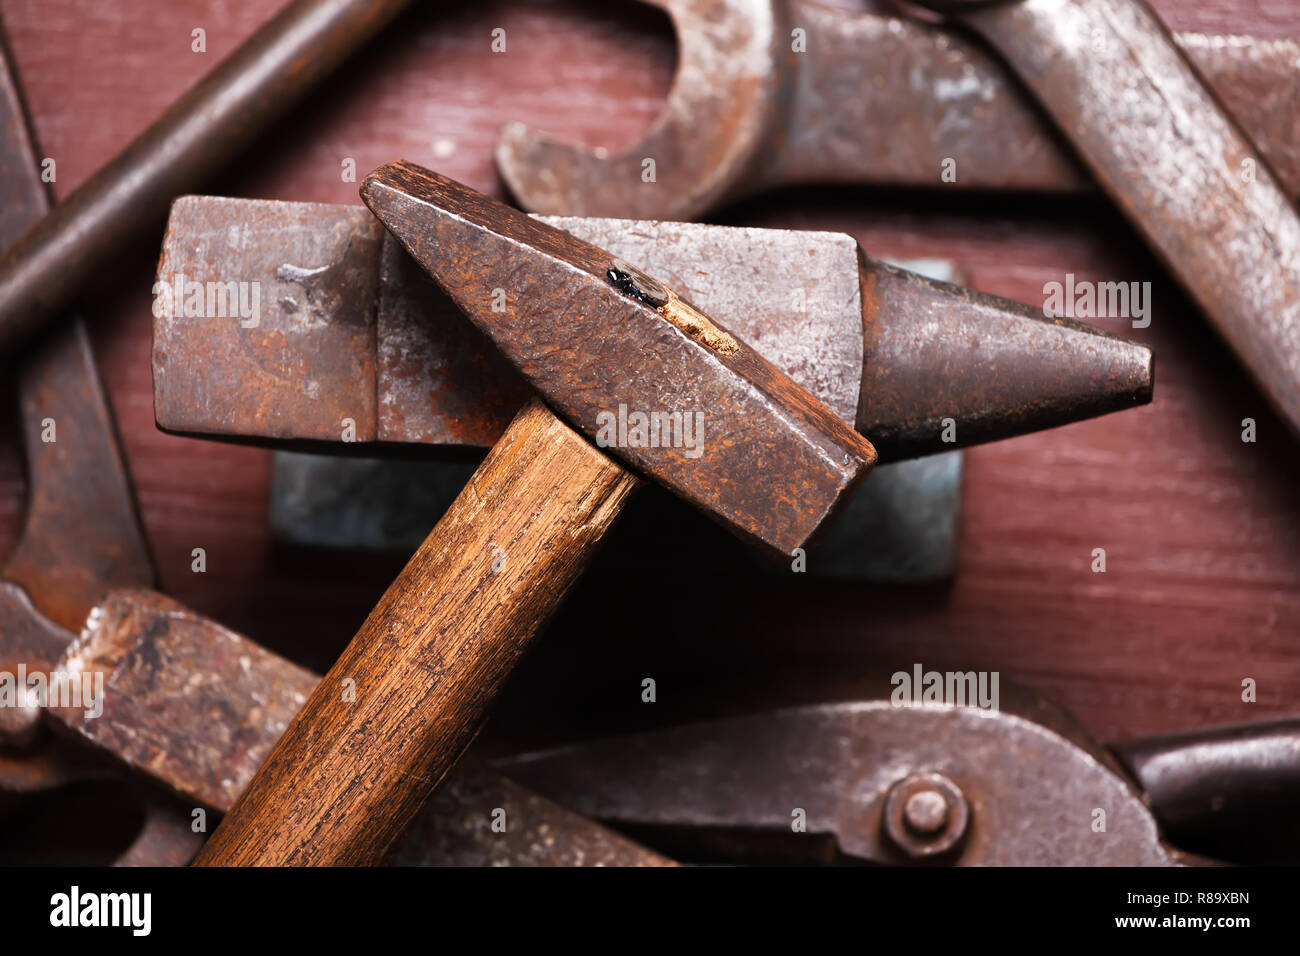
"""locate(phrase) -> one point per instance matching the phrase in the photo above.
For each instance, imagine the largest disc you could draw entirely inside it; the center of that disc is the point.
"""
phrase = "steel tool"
(901, 526)
(1176, 164)
(858, 98)
(861, 778)
(43, 271)
(1228, 792)
(81, 533)
(714, 790)
(352, 344)
(592, 334)
(196, 708)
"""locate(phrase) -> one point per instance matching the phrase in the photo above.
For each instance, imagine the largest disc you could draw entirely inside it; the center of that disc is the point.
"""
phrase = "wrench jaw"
(721, 109)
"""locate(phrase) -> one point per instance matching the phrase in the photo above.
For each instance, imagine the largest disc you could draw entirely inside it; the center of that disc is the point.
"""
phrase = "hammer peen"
(595, 338)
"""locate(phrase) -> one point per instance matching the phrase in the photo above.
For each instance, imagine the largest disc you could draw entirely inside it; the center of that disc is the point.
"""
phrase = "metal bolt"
(925, 815)
(925, 812)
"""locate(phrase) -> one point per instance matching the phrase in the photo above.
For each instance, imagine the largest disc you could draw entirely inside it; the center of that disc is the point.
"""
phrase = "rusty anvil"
(591, 333)
(354, 348)
(353, 344)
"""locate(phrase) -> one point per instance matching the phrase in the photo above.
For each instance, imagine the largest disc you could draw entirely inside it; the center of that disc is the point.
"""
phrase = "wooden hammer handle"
(410, 691)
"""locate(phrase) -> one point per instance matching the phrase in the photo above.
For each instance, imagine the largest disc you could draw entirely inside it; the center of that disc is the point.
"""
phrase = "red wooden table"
(1201, 531)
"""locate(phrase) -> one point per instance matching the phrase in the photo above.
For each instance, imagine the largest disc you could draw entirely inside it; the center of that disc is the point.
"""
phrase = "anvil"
(313, 326)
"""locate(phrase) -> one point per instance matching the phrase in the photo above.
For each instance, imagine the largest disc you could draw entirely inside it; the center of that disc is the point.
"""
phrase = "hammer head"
(626, 361)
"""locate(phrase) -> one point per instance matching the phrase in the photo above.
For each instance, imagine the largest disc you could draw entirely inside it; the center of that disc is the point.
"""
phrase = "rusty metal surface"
(210, 123)
(718, 117)
(1228, 792)
(36, 765)
(169, 728)
(1030, 780)
(81, 534)
(933, 348)
(436, 379)
(931, 351)
(32, 760)
(771, 461)
(900, 526)
(1174, 163)
(440, 378)
(873, 99)
(197, 708)
(311, 341)
(26, 635)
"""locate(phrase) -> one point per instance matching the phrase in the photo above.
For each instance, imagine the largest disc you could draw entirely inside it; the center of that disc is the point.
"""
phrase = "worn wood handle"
(410, 691)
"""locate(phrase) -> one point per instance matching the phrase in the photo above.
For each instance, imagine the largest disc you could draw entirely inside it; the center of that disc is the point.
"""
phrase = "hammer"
(623, 361)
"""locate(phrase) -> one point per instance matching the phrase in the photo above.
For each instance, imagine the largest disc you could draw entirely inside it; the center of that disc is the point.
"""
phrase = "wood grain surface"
(1201, 531)
(411, 690)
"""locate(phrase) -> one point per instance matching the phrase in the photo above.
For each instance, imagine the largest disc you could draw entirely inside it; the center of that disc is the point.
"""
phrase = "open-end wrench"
(776, 92)
(1178, 166)
(81, 535)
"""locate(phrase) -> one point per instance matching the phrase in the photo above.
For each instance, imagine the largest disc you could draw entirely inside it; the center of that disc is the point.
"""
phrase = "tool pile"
(789, 404)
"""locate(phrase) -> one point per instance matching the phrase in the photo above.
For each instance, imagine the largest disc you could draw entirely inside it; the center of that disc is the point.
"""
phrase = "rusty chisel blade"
(315, 326)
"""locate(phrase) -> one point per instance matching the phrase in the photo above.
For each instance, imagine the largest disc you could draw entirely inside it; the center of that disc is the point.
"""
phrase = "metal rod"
(216, 118)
